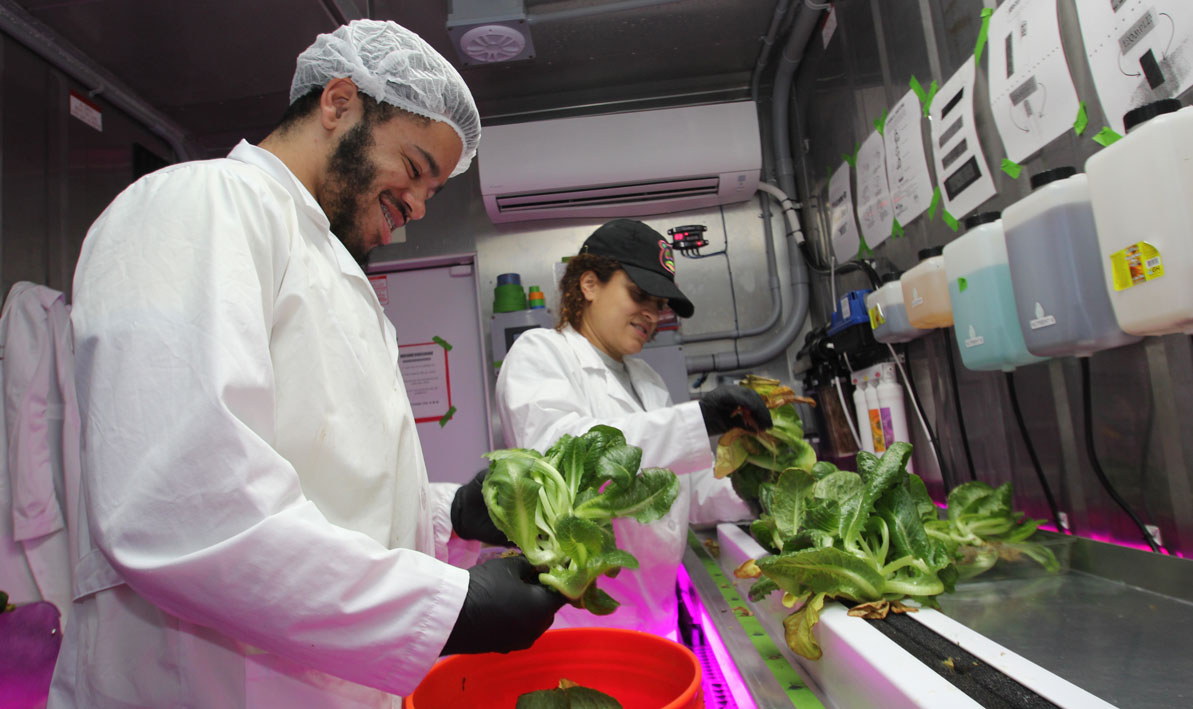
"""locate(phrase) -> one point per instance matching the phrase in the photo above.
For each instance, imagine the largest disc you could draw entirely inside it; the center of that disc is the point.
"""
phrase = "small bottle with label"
(1140, 187)
(888, 314)
(1060, 290)
(926, 291)
(984, 319)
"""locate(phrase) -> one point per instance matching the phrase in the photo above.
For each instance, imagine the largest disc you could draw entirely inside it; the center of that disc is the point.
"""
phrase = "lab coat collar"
(590, 361)
(585, 350)
(251, 154)
(248, 153)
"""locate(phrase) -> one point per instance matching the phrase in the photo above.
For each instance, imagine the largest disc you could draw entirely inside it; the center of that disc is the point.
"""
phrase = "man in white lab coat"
(582, 373)
(261, 529)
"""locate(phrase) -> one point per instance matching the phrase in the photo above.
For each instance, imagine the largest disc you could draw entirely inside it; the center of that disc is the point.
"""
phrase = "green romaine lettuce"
(558, 507)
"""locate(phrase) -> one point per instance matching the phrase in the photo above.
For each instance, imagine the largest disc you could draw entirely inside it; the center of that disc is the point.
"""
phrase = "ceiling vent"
(621, 164)
(489, 31)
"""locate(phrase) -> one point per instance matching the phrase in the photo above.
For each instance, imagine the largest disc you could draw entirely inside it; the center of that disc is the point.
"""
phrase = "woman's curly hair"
(571, 298)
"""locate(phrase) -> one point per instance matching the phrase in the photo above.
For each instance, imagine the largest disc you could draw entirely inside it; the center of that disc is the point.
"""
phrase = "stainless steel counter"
(1118, 625)
(1120, 641)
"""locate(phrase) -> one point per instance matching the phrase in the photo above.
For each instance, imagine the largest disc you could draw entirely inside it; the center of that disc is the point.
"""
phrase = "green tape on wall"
(1081, 121)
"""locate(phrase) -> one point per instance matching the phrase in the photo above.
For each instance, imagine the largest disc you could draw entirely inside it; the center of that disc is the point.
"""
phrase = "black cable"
(948, 351)
(932, 439)
(859, 265)
(1087, 408)
(1031, 453)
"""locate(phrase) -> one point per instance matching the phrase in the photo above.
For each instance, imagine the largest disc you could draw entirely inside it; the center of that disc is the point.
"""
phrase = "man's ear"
(337, 102)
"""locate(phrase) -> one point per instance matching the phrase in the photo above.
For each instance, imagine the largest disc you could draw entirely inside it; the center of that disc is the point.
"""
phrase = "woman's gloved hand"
(731, 406)
(506, 608)
(470, 515)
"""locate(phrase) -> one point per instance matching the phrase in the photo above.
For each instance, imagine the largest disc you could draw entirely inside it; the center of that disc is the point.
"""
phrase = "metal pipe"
(793, 52)
(772, 270)
(27, 30)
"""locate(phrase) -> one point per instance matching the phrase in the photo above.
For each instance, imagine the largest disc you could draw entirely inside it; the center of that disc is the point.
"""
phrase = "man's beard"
(350, 175)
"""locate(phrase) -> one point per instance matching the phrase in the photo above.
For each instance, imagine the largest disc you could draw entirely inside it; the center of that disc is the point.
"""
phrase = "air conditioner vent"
(631, 164)
(618, 194)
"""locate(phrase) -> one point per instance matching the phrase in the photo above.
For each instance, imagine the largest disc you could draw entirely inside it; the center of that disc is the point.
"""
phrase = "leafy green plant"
(558, 508)
(875, 537)
(851, 536)
(756, 459)
(980, 528)
(568, 695)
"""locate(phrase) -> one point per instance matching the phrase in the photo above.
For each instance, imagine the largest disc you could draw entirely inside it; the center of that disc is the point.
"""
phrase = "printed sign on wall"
(1138, 52)
(1031, 92)
(961, 169)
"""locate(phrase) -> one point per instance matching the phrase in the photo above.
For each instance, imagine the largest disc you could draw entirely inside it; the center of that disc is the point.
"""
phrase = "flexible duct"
(24, 28)
(793, 52)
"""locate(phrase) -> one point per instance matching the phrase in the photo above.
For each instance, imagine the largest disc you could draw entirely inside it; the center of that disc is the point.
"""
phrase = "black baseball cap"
(646, 256)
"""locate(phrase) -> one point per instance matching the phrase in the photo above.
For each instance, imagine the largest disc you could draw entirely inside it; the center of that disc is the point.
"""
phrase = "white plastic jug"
(1053, 251)
(984, 320)
(888, 314)
(1141, 188)
(926, 291)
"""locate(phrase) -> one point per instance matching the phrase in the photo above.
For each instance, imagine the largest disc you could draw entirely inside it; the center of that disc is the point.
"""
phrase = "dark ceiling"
(220, 69)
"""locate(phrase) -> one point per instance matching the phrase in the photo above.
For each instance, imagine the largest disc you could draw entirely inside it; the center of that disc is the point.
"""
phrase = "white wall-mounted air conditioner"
(621, 164)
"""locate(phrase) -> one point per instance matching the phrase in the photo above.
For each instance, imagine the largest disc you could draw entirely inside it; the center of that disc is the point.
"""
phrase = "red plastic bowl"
(640, 670)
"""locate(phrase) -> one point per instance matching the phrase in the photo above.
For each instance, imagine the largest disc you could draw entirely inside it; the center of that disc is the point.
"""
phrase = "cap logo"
(666, 259)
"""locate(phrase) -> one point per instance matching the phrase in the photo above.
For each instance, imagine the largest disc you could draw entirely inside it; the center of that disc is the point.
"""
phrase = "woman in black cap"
(578, 375)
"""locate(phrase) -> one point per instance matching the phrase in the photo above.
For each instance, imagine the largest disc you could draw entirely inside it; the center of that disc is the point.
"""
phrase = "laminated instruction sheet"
(874, 211)
(1031, 92)
(1138, 52)
(961, 169)
(844, 230)
(907, 173)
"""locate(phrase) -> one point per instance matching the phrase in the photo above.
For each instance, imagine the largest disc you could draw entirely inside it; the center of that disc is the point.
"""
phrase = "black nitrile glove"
(506, 608)
(722, 410)
(470, 515)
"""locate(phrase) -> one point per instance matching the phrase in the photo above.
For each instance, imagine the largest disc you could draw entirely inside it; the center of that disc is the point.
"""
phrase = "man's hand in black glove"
(506, 608)
(731, 406)
(470, 515)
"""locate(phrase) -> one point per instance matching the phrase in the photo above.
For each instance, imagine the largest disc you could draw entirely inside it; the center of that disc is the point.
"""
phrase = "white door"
(434, 306)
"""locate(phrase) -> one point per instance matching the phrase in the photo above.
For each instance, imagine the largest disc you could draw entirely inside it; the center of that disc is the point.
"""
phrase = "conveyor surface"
(1129, 646)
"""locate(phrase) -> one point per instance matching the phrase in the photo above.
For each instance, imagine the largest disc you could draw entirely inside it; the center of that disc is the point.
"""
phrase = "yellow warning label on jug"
(876, 319)
(1135, 265)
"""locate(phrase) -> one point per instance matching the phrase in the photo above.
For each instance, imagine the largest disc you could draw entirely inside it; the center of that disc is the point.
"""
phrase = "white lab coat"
(40, 482)
(261, 530)
(554, 382)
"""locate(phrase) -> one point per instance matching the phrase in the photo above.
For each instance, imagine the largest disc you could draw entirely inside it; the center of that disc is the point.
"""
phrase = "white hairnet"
(392, 64)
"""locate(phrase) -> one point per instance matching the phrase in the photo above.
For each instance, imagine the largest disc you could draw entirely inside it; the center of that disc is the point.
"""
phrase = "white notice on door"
(425, 373)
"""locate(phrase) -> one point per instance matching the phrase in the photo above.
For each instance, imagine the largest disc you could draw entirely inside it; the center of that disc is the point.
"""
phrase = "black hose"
(948, 351)
(1031, 453)
(913, 391)
(1087, 408)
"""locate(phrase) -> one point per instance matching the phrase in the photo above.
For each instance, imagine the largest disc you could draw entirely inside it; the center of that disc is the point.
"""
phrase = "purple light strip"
(733, 679)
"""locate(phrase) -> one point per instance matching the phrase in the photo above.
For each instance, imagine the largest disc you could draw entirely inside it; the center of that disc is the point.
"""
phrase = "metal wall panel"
(58, 172)
(1141, 393)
